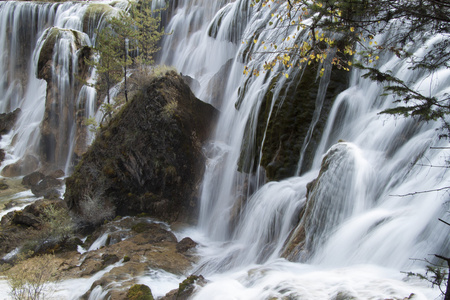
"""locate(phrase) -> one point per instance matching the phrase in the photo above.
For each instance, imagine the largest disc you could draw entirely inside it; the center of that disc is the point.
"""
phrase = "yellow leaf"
(352, 29)
(287, 76)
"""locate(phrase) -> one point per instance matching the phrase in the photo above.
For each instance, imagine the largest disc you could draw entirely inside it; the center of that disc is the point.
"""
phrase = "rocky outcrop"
(147, 159)
(329, 202)
(133, 246)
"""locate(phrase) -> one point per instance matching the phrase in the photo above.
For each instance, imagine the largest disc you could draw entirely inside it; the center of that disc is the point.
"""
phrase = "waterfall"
(358, 211)
(43, 47)
(337, 211)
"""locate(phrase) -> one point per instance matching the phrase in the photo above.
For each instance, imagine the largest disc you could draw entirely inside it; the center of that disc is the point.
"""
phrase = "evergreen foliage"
(130, 39)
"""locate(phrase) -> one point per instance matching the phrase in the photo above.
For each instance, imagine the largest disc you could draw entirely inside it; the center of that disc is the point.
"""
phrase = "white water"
(23, 31)
(360, 236)
(361, 233)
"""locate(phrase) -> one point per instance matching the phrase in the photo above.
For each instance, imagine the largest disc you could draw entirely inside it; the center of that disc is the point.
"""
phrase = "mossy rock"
(141, 227)
(139, 292)
(187, 287)
(51, 36)
(280, 137)
(94, 13)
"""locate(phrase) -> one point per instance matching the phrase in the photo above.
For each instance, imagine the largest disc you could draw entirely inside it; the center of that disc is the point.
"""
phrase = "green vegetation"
(32, 279)
(130, 39)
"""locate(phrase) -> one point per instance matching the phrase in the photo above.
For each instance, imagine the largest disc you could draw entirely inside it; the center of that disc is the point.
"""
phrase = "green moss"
(143, 215)
(187, 283)
(126, 258)
(139, 292)
(140, 227)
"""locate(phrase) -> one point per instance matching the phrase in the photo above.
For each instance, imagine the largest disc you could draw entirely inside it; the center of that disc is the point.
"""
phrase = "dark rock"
(57, 174)
(32, 179)
(3, 185)
(7, 120)
(23, 166)
(11, 204)
(6, 219)
(54, 246)
(147, 159)
(186, 289)
(26, 229)
(26, 219)
(47, 187)
(185, 245)
(109, 259)
(2, 155)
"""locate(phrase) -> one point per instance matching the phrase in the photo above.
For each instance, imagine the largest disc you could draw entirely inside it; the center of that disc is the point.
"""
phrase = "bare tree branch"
(422, 192)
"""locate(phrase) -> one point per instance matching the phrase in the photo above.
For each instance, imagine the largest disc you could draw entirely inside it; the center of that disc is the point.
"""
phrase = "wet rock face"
(280, 136)
(148, 158)
(7, 120)
(328, 191)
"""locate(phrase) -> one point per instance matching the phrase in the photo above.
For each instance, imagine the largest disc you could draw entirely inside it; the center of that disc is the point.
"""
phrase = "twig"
(422, 192)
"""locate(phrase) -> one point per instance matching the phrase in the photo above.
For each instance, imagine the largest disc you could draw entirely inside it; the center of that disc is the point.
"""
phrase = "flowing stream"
(371, 219)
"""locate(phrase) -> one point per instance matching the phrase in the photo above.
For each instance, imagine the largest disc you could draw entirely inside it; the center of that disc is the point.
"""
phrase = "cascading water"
(348, 232)
(48, 41)
(359, 228)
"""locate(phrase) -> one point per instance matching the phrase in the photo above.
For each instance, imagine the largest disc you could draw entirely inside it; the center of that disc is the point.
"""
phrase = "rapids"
(371, 219)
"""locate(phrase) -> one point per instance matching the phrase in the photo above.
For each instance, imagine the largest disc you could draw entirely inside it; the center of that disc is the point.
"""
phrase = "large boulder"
(147, 159)
(25, 165)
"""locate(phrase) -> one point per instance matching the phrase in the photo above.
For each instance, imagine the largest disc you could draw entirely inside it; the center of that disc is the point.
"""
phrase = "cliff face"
(147, 159)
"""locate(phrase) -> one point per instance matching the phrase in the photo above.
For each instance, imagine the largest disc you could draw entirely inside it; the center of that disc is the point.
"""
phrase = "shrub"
(33, 279)
(95, 210)
(60, 224)
(162, 70)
